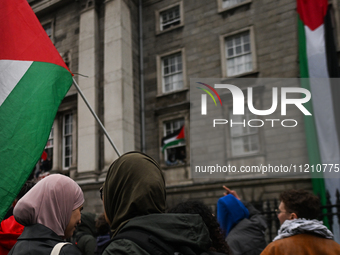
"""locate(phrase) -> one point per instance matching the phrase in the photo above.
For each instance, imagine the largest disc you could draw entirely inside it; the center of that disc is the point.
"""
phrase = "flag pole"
(96, 117)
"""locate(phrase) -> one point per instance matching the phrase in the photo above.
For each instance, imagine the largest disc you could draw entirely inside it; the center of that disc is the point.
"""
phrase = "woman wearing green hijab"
(134, 197)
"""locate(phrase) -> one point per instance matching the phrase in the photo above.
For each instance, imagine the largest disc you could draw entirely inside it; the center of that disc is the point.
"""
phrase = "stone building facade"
(141, 102)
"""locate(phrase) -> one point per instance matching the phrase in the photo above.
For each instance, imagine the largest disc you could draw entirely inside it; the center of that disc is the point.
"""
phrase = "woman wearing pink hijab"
(50, 212)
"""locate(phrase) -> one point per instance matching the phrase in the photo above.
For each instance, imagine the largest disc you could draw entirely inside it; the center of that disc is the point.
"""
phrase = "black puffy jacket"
(38, 239)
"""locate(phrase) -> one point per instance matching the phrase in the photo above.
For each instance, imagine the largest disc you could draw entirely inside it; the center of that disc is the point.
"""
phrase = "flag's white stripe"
(11, 72)
(170, 140)
(316, 55)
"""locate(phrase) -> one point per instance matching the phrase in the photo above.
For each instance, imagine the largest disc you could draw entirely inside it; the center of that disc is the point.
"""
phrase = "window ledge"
(242, 74)
(166, 167)
(172, 92)
(159, 32)
(252, 155)
(221, 10)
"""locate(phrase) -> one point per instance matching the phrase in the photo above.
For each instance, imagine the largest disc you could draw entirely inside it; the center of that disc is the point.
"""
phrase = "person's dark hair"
(101, 225)
(215, 232)
(301, 202)
(27, 186)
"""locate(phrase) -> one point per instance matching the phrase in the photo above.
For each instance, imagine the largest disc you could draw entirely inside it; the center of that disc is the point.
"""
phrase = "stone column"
(88, 144)
(118, 80)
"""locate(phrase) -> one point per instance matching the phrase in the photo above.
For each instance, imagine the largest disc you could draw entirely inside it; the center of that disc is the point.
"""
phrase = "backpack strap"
(146, 241)
(56, 249)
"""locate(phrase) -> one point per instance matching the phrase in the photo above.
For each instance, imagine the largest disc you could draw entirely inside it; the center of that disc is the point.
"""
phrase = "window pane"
(179, 59)
(248, 63)
(67, 151)
(254, 140)
(177, 12)
(238, 50)
(237, 40)
(246, 38)
(246, 47)
(67, 162)
(68, 140)
(230, 52)
(167, 88)
(237, 146)
(173, 68)
(179, 85)
(246, 147)
(230, 43)
(173, 126)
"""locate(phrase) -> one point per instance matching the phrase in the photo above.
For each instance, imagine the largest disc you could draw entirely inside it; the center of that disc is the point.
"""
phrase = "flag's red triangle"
(312, 12)
(181, 134)
(22, 37)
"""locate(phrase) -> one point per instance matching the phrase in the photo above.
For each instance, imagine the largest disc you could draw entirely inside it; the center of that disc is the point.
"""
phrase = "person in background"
(10, 229)
(103, 230)
(50, 212)
(300, 231)
(85, 235)
(244, 226)
(215, 232)
(134, 199)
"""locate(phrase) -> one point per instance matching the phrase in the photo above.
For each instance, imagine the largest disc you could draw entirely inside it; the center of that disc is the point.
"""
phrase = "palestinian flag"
(33, 81)
(173, 139)
(317, 64)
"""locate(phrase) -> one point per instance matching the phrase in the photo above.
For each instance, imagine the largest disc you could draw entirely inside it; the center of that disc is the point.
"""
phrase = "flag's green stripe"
(172, 143)
(310, 128)
(26, 117)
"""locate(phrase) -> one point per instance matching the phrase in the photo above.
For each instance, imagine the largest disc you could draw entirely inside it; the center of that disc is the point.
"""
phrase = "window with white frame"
(67, 140)
(173, 142)
(244, 139)
(170, 18)
(172, 72)
(238, 54)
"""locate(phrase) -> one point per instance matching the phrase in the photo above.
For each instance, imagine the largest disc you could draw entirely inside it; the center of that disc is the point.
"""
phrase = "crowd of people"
(46, 219)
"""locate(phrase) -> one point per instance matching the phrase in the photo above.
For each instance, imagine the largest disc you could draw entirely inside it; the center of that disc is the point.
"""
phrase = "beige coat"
(302, 244)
